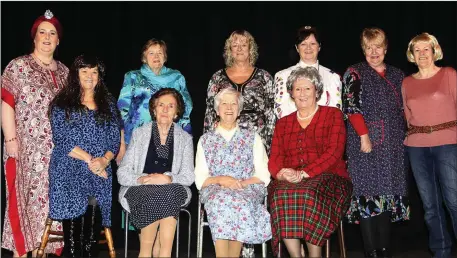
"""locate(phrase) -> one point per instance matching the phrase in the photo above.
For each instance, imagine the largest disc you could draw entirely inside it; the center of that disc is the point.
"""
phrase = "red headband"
(48, 17)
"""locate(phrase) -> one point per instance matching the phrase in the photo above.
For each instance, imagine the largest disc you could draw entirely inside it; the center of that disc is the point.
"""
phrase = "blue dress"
(139, 86)
(236, 215)
(70, 180)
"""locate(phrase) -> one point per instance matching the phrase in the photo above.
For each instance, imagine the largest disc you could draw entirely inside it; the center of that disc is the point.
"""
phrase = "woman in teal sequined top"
(140, 85)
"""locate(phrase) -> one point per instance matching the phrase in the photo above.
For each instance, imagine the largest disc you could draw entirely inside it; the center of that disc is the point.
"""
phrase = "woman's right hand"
(12, 149)
(365, 144)
(229, 182)
(290, 175)
(100, 173)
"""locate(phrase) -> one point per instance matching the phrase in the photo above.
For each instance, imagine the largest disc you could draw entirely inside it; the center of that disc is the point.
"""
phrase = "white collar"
(303, 64)
(227, 134)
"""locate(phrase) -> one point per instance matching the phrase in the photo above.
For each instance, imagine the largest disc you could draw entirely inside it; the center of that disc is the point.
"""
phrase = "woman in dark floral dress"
(255, 84)
(376, 129)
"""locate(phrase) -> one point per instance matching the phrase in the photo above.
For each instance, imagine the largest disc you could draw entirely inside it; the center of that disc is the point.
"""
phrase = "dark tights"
(376, 232)
(81, 234)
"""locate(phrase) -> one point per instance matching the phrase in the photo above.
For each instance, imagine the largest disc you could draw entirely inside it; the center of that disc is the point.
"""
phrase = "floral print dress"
(379, 177)
(237, 215)
(258, 96)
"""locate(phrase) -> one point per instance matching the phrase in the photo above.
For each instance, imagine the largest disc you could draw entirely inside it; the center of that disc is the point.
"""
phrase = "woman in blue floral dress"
(372, 103)
(86, 133)
(231, 173)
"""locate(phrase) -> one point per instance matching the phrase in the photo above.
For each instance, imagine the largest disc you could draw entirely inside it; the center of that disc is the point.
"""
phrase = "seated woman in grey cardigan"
(155, 173)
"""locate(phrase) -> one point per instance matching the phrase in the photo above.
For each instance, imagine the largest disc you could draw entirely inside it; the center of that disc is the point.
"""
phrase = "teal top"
(137, 89)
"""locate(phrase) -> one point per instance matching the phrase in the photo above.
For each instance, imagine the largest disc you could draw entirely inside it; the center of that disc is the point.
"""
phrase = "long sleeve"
(201, 167)
(270, 115)
(125, 98)
(126, 174)
(260, 161)
(210, 113)
(279, 96)
(277, 153)
(64, 135)
(114, 130)
(185, 120)
(185, 175)
(335, 90)
(352, 91)
(335, 145)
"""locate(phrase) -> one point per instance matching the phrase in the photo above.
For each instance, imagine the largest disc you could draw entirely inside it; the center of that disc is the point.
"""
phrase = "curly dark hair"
(69, 98)
(180, 106)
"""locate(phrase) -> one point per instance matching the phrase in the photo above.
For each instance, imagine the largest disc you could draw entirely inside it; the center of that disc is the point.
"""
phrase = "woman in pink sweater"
(429, 100)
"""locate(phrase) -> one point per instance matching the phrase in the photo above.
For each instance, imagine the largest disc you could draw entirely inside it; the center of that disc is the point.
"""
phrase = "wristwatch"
(170, 175)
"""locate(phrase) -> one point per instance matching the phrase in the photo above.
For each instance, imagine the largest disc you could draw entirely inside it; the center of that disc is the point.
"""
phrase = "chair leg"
(109, 239)
(177, 238)
(189, 230)
(279, 249)
(44, 238)
(126, 234)
(328, 254)
(201, 215)
(264, 250)
(341, 240)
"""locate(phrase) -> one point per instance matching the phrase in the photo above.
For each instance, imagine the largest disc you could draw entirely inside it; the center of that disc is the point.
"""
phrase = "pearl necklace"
(304, 118)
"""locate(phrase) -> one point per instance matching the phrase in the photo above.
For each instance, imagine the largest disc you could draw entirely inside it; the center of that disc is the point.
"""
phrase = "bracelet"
(11, 140)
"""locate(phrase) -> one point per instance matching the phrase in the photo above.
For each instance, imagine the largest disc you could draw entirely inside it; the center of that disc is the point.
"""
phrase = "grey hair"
(229, 90)
(311, 74)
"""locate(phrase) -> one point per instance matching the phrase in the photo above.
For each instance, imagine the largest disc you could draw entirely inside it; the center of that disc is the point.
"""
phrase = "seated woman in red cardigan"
(312, 189)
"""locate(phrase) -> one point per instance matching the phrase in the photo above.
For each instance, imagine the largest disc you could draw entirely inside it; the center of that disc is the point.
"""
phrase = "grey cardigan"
(132, 165)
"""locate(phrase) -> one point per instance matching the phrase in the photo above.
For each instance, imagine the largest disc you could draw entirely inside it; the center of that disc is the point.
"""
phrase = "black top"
(159, 158)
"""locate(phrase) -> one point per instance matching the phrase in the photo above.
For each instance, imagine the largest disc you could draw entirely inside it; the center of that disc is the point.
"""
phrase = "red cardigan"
(318, 148)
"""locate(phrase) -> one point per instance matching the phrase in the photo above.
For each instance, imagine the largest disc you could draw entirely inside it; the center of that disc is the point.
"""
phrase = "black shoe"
(385, 253)
(373, 253)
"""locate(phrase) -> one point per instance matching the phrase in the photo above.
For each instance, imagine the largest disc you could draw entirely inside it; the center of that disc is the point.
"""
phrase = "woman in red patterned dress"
(29, 83)
(312, 189)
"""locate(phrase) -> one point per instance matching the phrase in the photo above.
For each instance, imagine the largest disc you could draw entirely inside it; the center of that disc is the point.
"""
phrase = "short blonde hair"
(427, 38)
(375, 35)
(253, 49)
(153, 42)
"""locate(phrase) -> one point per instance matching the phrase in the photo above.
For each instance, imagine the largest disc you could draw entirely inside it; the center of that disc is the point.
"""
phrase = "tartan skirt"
(310, 210)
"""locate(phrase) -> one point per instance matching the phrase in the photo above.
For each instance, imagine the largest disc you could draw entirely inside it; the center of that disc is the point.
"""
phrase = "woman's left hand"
(157, 179)
(292, 176)
(99, 163)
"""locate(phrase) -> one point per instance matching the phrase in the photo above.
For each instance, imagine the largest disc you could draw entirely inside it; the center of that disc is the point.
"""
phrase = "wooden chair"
(47, 232)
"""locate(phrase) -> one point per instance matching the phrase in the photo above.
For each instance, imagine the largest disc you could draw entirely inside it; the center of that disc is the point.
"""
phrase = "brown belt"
(430, 128)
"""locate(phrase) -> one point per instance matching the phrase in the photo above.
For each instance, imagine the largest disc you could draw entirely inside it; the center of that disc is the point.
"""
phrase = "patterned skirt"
(150, 203)
(363, 207)
(310, 210)
(237, 215)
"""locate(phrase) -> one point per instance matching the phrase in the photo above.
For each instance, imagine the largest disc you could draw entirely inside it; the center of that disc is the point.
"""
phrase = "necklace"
(43, 63)
(310, 115)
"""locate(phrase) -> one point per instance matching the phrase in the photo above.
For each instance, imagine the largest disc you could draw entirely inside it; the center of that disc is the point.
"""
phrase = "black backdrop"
(195, 33)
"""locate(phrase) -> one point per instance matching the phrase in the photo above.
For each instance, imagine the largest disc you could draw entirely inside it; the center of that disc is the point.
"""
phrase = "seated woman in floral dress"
(231, 173)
